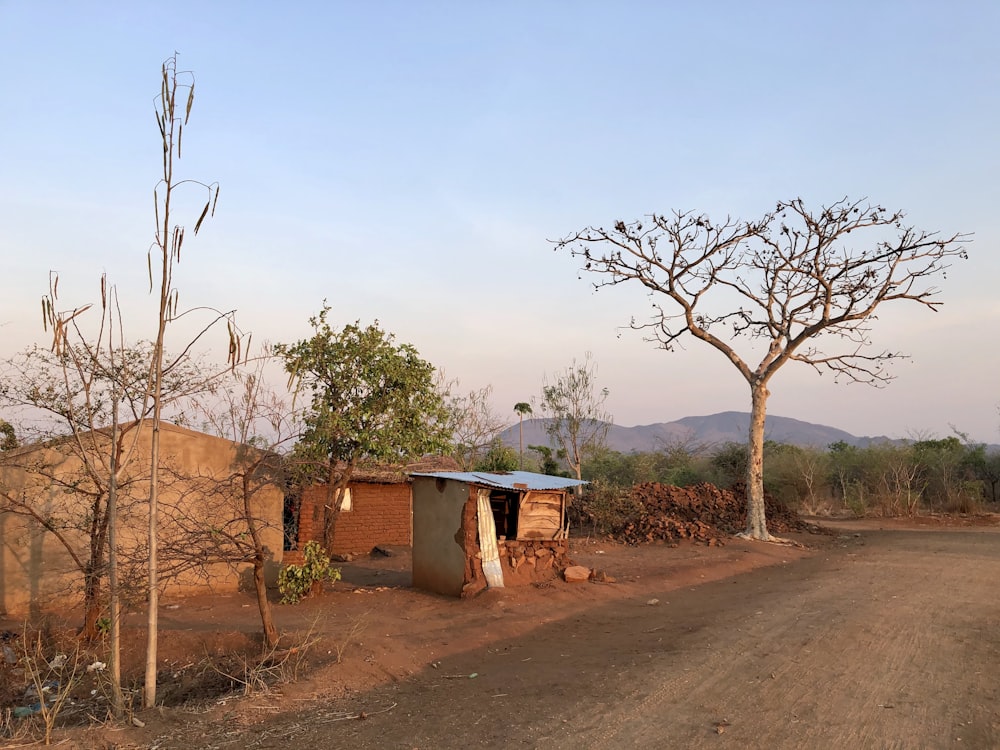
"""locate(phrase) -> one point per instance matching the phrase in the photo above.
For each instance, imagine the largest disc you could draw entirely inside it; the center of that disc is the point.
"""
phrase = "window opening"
(504, 505)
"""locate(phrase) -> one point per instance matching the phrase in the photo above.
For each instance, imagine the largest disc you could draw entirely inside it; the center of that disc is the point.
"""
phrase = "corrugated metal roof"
(507, 480)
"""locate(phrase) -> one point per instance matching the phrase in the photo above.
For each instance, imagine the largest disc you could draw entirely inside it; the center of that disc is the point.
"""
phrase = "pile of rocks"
(536, 558)
(701, 513)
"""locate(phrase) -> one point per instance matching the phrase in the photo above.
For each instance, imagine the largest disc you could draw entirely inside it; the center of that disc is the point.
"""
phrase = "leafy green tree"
(574, 406)
(797, 284)
(672, 465)
(985, 466)
(990, 473)
(946, 469)
(844, 468)
(782, 478)
(681, 462)
(609, 467)
(370, 399)
(296, 582)
(940, 462)
(498, 458)
(548, 456)
(8, 438)
(729, 461)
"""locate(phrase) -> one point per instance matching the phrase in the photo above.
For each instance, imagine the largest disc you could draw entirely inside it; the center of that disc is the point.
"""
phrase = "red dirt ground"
(880, 634)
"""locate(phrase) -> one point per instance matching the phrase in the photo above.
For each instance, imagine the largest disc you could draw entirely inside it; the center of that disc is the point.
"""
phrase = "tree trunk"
(153, 582)
(259, 558)
(520, 442)
(114, 647)
(93, 573)
(91, 602)
(334, 502)
(260, 586)
(578, 471)
(756, 521)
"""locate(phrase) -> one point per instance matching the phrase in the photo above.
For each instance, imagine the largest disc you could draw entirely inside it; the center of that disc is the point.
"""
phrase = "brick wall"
(380, 514)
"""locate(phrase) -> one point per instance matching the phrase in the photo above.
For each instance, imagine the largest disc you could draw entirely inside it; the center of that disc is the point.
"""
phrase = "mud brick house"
(38, 572)
(477, 529)
(378, 510)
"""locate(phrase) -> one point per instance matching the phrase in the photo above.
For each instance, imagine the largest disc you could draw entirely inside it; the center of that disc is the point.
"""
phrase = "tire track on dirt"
(874, 651)
(885, 640)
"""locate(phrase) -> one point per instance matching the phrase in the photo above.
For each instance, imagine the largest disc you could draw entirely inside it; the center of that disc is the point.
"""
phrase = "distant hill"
(714, 429)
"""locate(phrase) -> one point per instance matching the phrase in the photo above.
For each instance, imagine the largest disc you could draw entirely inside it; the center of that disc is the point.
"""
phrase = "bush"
(605, 508)
(498, 458)
(295, 582)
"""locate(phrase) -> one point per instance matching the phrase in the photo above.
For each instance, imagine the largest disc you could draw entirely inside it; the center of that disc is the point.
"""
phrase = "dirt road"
(893, 644)
(889, 641)
(878, 639)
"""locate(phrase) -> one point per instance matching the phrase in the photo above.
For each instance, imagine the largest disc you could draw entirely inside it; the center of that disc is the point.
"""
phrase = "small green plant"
(855, 500)
(295, 582)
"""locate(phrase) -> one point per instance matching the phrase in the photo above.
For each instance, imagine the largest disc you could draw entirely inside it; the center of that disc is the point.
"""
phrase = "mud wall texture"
(444, 535)
(198, 492)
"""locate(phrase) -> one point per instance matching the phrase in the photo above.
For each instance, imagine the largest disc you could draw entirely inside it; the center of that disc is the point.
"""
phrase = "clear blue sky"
(410, 161)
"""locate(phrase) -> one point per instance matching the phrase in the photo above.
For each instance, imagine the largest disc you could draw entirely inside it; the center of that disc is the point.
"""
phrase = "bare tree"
(85, 361)
(259, 423)
(900, 478)
(574, 406)
(812, 466)
(173, 109)
(474, 425)
(791, 282)
(89, 394)
(90, 400)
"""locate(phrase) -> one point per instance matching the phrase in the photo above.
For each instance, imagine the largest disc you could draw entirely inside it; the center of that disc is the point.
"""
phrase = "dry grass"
(279, 664)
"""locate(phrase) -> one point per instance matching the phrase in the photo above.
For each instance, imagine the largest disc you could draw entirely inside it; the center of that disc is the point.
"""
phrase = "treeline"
(939, 475)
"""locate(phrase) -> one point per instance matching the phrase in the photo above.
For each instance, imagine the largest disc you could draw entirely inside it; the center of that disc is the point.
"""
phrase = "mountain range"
(707, 431)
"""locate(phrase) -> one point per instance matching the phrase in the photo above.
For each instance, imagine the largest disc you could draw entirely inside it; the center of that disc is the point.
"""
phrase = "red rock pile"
(702, 513)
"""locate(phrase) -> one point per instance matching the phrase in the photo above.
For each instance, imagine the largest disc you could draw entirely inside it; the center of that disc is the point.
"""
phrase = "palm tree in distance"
(522, 408)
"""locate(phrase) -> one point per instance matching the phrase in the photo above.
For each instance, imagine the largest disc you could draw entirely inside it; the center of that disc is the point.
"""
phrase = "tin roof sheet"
(507, 480)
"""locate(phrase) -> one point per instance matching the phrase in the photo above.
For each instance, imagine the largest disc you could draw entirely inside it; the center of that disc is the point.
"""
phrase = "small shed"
(477, 529)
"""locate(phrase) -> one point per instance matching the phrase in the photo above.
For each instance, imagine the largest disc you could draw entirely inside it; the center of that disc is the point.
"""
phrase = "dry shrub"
(51, 666)
(605, 508)
(278, 664)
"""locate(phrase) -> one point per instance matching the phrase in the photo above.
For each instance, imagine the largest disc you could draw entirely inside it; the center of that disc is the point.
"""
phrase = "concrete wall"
(379, 514)
(38, 573)
(440, 557)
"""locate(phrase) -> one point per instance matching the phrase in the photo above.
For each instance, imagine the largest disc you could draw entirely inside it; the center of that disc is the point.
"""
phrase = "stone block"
(576, 574)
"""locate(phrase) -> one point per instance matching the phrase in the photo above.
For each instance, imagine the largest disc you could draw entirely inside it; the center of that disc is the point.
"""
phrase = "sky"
(412, 162)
